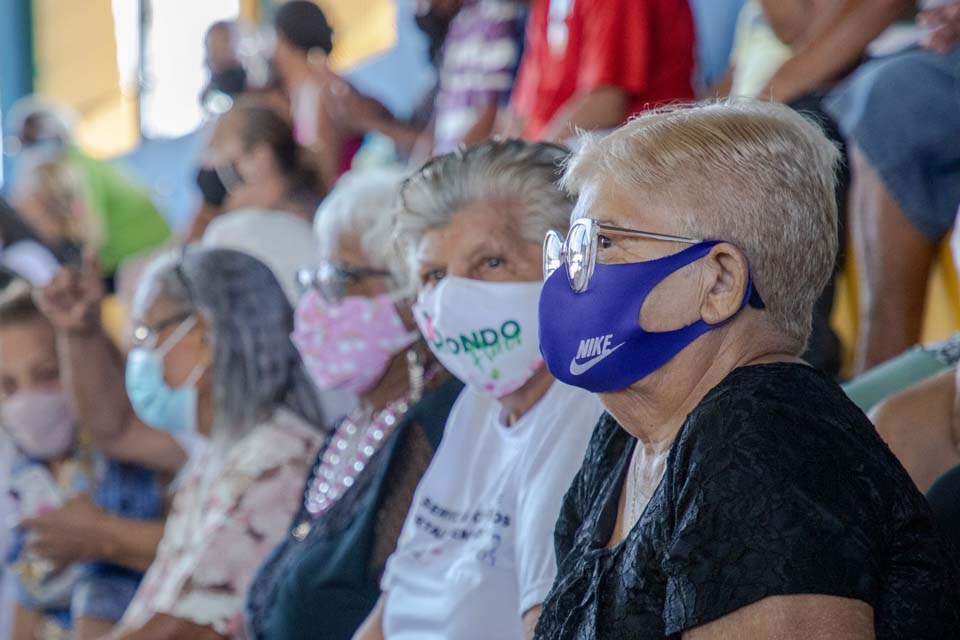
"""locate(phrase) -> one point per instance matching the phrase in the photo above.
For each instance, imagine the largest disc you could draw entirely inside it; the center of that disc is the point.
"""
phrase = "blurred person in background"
(477, 66)
(732, 491)
(918, 415)
(212, 355)
(906, 179)
(325, 107)
(330, 116)
(356, 333)
(475, 557)
(130, 223)
(22, 253)
(88, 525)
(253, 161)
(592, 65)
(49, 195)
(228, 78)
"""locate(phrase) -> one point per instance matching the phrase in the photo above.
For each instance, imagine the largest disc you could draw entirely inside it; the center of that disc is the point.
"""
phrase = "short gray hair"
(500, 170)
(256, 368)
(364, 203)
(753, 173)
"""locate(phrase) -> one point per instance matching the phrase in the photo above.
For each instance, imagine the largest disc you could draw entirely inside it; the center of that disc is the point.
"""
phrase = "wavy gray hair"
(499, 170)
(256, 368)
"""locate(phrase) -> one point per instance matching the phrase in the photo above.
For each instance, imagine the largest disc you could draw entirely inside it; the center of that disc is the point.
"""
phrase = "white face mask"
(485, 333)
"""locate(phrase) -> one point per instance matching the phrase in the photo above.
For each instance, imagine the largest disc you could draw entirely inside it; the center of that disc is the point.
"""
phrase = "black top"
(776, 484)
(324, 586)
(944, 499)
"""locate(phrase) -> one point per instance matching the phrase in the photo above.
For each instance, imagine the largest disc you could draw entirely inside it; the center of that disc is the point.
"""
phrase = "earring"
(415, 370)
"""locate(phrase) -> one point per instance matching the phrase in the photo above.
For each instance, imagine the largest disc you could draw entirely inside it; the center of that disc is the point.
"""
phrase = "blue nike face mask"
(593, 339)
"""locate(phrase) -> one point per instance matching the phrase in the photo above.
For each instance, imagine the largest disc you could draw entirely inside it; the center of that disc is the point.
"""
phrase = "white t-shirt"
(476, 551)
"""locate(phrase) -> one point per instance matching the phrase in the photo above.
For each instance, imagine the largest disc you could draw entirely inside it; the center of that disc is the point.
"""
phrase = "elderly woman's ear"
(725, 271)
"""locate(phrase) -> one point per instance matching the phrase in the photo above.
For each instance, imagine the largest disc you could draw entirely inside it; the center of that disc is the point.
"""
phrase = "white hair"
(364, 203)
(756, 174)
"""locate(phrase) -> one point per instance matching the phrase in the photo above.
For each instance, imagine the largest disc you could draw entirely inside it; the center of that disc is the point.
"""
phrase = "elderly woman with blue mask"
(475, 559)
(212, 354)
(356, 335)
(733, 491)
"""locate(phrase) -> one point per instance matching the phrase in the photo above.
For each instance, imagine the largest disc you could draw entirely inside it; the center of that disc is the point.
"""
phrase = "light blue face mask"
(152, 399)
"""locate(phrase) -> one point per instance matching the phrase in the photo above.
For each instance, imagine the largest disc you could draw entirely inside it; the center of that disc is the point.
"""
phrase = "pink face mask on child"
(41, 423)
(347, 346)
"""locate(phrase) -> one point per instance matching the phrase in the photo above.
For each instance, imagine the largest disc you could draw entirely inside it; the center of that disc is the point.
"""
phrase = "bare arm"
(799, 617)
(164, 627)
(372, 627)
(600, 108)
(92, 369)
(82, 532)
(530, 621)
(837, 47)
(24, 623)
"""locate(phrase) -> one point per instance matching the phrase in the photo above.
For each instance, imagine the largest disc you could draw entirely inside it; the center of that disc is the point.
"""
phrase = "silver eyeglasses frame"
(579, 249)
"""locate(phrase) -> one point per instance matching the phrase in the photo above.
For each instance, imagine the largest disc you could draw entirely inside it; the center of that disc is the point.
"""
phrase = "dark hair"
(304, 25)
(17, 305)
(259, 124)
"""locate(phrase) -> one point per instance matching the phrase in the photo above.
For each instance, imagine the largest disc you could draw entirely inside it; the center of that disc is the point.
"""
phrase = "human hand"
(72, 299)
(68, 534)
(943, 27)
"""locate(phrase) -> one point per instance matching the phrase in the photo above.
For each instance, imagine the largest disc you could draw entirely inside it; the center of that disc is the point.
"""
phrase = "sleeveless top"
(323, 586)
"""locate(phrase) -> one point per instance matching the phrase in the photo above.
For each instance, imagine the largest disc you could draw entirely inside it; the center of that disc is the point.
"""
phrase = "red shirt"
(645, 47)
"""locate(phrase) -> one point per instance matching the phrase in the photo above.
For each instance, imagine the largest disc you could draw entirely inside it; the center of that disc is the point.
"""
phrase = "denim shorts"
(903, 112)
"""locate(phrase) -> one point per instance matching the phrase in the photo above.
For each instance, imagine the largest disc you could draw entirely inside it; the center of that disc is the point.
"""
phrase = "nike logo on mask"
(599, 346)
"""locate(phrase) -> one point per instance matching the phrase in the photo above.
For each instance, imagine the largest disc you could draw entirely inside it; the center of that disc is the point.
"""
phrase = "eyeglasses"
(332, 279)
(147, 335)
(579, 249)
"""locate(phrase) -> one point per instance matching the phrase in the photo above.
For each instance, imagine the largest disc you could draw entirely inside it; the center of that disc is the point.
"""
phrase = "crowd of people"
(562, 369)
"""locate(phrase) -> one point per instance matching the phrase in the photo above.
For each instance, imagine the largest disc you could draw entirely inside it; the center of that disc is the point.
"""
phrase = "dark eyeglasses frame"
(333, 288)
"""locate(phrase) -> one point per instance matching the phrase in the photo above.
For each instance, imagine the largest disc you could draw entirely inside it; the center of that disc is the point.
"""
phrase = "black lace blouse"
(777, 484)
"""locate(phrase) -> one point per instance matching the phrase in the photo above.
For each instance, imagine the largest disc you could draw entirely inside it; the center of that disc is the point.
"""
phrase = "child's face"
(28, 358)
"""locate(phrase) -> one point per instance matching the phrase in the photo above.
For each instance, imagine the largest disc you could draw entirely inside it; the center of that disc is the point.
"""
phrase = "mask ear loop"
(189, 323)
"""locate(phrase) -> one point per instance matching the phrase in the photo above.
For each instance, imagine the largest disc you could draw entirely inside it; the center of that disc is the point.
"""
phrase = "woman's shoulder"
(283, 439)
(784, 400)
(779, 421)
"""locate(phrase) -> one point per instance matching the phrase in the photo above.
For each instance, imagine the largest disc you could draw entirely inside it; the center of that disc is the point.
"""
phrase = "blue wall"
(16, 59)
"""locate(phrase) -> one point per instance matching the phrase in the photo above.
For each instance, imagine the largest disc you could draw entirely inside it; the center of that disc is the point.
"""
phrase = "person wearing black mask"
(228, 78)
(329, 115)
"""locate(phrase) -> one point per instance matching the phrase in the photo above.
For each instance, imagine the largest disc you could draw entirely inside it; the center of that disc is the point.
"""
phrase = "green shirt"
(131, 222)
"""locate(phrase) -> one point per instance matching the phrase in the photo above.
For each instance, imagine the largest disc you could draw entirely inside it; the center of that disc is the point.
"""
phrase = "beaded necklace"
(348, 454)
(352, 446)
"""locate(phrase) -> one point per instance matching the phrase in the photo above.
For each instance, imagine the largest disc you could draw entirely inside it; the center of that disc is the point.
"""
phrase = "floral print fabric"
(226, 517)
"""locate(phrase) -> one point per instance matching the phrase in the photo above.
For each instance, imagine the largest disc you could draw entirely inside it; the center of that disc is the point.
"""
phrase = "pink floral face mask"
(347, 346)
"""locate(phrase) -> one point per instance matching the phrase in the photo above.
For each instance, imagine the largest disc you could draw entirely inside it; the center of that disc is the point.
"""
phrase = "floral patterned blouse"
(227, 516)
